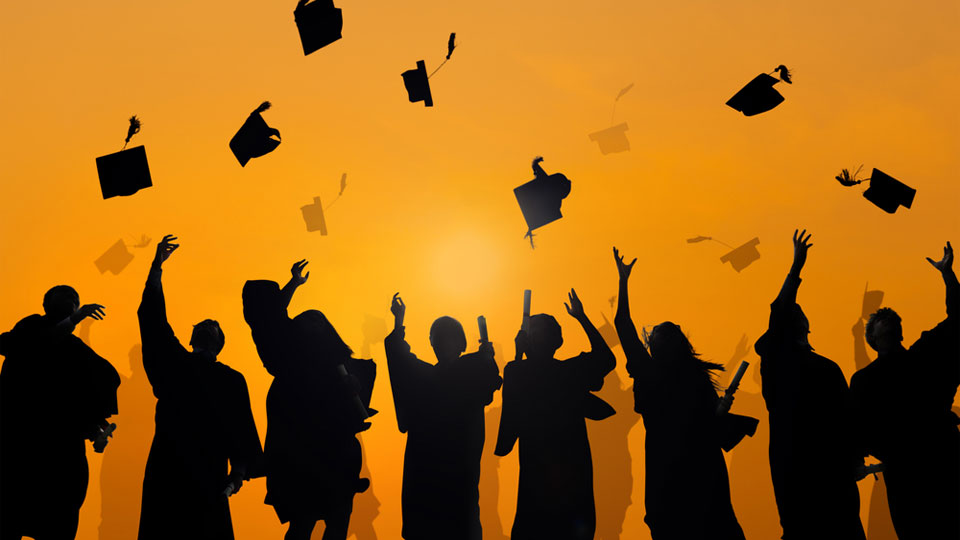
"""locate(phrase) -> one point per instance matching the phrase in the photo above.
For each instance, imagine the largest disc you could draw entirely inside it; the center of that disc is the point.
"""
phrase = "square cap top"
(540, 199)
(115, 259)
(254, 138)
(888, 193)
(313, 217)
(124, 173)
(613, 139)
(319, 24)
(418, 84)
(757, 96)
(742, 256)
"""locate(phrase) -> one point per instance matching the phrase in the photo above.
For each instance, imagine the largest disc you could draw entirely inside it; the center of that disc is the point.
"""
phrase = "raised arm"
(157, 337)
(402, 366)
(297, 278)
(788, 292)
(601, 358)
(945, 266)
(633, 348)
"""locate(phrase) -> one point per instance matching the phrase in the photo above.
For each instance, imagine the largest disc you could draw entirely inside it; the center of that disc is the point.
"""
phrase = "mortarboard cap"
(254, 138)
(742, 256)
(540, 198)
(313, 216)
(872, 300)
(888, 193)
(418, 84)
(612, 139)
(115, 259)
(319, 24)
(124, 173)
(757, 96)
(608, 333)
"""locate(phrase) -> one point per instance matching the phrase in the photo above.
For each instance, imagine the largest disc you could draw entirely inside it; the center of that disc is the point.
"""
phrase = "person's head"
(667, 342)
(798, 326)
(545, 336)
(318, 334)
(60, 302)
(447, 338)
(207, 336)
(884, 332)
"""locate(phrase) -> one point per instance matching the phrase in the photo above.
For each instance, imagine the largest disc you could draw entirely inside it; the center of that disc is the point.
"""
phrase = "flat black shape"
(124, 173)
(540, 199)
(418, 84)
(319, 24)
(757, 96)
(888, 193)
(253, 139)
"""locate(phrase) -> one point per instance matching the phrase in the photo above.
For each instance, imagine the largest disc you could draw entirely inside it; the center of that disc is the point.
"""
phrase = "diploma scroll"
(727, 400)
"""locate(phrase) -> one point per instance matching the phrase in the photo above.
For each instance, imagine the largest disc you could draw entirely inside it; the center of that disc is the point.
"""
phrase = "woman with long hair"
(687, 488)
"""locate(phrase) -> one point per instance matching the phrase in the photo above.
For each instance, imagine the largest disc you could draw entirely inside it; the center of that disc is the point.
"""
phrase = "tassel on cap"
(132, 130)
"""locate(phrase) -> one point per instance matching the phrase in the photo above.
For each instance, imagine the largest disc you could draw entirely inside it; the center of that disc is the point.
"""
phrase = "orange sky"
(429, 210)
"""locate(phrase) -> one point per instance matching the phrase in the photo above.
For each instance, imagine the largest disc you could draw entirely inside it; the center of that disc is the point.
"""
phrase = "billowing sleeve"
(940, 346)
(162, 350)
(405, 370)
(266, 314)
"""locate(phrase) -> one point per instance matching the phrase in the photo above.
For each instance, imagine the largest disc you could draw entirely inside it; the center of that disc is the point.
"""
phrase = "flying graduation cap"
(417, 82)
(759, 95)
(125, 172)
(255, 137)
(613, 139)
(313, 214)
(886, 192)
(319, 24)
(115, 259)
(739, 257)
(540, 198)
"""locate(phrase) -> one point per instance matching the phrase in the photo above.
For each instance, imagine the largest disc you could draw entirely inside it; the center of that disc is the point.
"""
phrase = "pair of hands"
(801, 243)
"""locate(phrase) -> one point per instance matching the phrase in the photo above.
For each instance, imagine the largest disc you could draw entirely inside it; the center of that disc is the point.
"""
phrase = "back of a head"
(447, 337)
(60, 302)
(884, 331)
(208, 336)
(668, 343)
(545, 335)
(316, 333)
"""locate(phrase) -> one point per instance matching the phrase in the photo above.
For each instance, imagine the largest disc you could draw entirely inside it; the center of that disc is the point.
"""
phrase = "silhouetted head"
(884, 332)
(61, 302)
(319, 335)
(667, 342)
(447, 338)
(207, 336)
(798, 326)
(545, 336)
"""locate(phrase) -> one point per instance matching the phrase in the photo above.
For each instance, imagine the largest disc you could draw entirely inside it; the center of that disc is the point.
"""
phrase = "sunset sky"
(429, 210)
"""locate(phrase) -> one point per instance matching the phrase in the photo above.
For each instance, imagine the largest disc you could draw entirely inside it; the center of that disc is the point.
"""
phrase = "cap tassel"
(530, 235)
(263, 106)
(785, 74)
(450, 47)
(132, 130)
(847, 179)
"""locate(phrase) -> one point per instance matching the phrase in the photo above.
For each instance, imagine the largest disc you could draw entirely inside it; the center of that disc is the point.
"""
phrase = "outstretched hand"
(622, 268)
(94, 311)
(575, 307)
(399, 309)
(296, 271)
(164, 248)
(800, 246)
(946, 263)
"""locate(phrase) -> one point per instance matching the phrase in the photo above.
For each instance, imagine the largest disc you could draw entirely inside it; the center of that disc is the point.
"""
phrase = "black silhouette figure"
(540, 198)
(885, 191)
(125, 172)
(319, 24)
(255, 137)
(902, 401)
(687, 488)
(813, 458)
(366, 506)
(203, 422)
(55, 393)
(545, 402)
(440, 407)
(490, 481)
(318, 402)
(759, 95)
(121, 472)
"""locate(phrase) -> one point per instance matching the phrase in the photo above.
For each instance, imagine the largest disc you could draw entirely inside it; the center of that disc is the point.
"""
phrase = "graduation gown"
(902, 405)
(440, 407)
(54, 393)
(203, 420)
(813, 457)
(312, 455)
(544, 407)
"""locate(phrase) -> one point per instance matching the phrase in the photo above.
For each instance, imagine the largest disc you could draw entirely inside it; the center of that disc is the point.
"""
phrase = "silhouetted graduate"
(885, 191)
(318, 402)
(319, 22)
(813, 457)
(255, 137)
(545, 402)
(759, 95)
(687, 488)
(902, 402)
(203, 423)
(540, 198)
(125, 172)
(440, 408)
(55, 393)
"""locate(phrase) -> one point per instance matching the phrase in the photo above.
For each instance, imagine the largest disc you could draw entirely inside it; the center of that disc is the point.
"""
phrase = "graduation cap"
(319, 24)
(872, 300)
(759, 95)
(115, 259)
(313, 216)
(125, 172)
(417, 82)
(886, 192)
(608, 332)
(612, 139)
(254, 138)
(739, 257)
(540, 198)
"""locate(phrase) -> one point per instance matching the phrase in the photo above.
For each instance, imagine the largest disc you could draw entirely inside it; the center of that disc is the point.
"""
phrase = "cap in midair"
(125, 172)
(115, 259)
(319, 24)
(255, 137)
(759, 95)
(540, 198)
